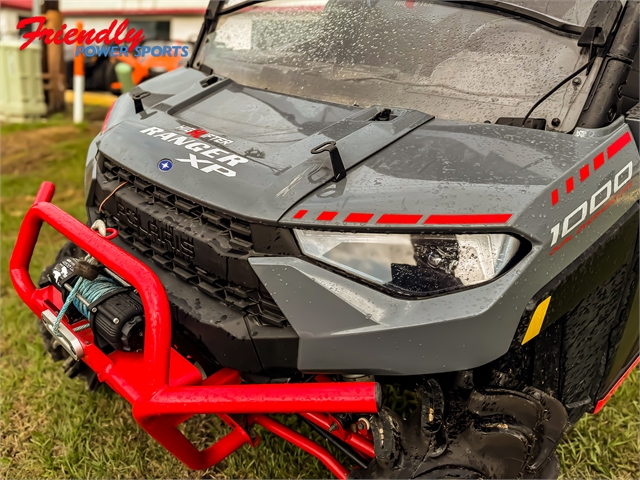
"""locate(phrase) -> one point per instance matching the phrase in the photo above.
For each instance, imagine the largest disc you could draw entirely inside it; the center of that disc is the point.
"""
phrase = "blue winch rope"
(70, 298)
(91, 290)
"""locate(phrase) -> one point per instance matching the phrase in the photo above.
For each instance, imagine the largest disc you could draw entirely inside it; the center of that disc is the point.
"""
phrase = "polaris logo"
(157, 231)
(201, 148)
(165, 165)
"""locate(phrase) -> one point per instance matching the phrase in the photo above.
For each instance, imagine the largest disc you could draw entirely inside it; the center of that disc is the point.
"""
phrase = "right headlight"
(413, 264)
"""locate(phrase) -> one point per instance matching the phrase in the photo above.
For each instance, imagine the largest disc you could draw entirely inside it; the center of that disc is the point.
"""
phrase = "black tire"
(492, 433)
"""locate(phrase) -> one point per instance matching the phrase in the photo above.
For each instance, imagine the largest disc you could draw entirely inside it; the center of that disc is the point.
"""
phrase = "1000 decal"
(606, 195)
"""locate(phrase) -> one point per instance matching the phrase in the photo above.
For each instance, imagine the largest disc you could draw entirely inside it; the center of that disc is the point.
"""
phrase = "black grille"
(205, 248)
(237, 232)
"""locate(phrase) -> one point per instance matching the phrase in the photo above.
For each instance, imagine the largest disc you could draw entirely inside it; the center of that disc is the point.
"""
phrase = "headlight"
(417, 264)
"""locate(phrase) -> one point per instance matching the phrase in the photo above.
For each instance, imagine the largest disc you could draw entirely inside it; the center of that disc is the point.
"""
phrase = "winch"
(111, 305)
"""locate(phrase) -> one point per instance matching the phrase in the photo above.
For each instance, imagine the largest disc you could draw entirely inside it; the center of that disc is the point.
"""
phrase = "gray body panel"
(378, 334)
(414, 166)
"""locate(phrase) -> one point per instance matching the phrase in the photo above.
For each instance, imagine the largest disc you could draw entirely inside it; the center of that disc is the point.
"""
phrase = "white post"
(78, 83)
(78, 105)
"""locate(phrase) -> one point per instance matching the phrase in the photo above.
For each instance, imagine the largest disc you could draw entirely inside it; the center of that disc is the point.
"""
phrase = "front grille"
(205, 248)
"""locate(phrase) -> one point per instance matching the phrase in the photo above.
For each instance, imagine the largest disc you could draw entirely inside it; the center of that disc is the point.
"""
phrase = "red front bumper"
(164, 388)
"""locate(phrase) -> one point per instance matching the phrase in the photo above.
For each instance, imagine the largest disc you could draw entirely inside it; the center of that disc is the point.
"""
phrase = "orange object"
(78, 60)
(143, 67)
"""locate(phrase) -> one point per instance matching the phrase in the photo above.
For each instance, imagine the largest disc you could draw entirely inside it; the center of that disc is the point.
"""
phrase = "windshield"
(442, 59)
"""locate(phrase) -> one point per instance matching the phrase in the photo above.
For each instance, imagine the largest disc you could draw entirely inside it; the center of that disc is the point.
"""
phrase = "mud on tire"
(490, 433)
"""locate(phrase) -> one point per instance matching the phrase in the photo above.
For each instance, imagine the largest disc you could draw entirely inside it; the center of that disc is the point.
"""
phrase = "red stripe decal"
(598, 161)
(327, 216)
(358, 217)
(618, 145)
(554, 197)
(467, 219)
(399, 219)
(569, 184)
(603, 402)
(584, 173)
(300, 214)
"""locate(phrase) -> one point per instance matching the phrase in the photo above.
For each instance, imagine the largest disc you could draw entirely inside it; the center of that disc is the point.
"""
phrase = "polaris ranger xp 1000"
(341, 201)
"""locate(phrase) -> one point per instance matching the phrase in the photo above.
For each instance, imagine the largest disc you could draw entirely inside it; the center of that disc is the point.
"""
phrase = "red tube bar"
(353, 439)
(302, 442)
(174, 441)
(284, 398)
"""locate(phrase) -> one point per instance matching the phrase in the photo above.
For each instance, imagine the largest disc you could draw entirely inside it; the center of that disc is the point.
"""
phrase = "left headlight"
(414, 264)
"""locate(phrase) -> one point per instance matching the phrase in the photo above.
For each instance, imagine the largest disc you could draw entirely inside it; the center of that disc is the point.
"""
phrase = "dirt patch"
(24, 151)
(96, 114)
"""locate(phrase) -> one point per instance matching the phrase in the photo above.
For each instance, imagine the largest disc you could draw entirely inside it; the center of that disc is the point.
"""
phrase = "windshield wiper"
(522, 12)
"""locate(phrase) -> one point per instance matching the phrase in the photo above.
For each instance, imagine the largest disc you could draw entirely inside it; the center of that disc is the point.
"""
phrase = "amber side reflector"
(536, 321)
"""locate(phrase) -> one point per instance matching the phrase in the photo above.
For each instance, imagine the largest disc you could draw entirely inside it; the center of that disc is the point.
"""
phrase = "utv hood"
(247, 151)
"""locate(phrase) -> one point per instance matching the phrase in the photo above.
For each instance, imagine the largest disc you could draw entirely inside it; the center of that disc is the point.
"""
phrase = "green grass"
(51, 427)
(607, 445)
(55, 119)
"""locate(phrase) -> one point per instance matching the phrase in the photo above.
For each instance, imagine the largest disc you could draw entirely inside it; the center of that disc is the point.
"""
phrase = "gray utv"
(340, 203)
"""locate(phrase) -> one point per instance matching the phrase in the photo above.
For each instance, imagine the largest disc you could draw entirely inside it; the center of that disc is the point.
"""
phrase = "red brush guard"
(164, 388)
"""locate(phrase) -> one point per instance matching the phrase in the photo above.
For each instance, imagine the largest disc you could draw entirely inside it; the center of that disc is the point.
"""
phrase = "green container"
(123, 72)
(21, 88)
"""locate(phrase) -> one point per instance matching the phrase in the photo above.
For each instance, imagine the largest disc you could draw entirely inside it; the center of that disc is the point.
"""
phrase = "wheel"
(489, 433)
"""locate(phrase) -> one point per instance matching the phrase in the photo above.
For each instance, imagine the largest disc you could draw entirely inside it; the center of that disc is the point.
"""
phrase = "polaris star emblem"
(165, 165)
